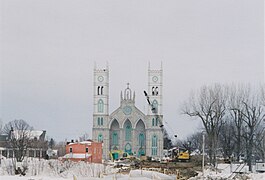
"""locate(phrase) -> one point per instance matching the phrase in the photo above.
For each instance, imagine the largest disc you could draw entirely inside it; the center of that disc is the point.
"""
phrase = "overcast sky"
(48, 50)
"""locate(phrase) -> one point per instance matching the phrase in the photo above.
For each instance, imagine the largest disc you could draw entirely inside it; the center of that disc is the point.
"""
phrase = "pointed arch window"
(155, 106)
(156, 91)
(100, 105)
(128, 132)
(98, 121)
(101, 121)
(115, 138)
(154, 121)
(98, 90)
(101, 90)
(154, 145)
(100, 138)
(141, 140)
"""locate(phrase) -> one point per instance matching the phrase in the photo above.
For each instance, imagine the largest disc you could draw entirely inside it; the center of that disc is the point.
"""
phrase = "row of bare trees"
(232, 117)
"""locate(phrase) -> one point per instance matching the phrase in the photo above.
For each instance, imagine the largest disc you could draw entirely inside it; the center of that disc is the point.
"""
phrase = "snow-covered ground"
(228, 171)
(57, 170)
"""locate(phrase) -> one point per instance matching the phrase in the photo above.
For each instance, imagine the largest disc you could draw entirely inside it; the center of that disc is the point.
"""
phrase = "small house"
(88, 151)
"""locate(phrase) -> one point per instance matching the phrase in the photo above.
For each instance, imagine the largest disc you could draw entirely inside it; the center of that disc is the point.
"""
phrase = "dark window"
(101, 90)
(98, 90)
(86, 149)
(156, 91)
(71, 150)
(98, 121)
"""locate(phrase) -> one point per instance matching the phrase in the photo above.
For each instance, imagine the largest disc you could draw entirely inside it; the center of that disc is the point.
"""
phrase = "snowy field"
(225, 171)
(56, 170)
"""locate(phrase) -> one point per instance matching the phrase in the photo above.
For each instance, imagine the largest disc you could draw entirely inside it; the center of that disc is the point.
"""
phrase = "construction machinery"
(179, 154)
(119, 154)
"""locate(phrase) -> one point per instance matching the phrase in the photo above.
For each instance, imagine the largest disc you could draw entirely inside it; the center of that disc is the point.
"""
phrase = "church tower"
(155, 84)
(101, 107)
(155, 112)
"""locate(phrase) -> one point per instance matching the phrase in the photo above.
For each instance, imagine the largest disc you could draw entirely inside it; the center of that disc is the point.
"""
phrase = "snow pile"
(149, 175)
(229, 172)
(55, 168)
(138, 174)
(6, 167)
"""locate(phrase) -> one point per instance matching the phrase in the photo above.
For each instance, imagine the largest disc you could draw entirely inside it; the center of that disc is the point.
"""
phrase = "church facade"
(128, 129)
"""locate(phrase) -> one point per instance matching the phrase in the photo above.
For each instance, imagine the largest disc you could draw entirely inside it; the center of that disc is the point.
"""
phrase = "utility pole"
(203, 147)
(263, 147)
(263, 129)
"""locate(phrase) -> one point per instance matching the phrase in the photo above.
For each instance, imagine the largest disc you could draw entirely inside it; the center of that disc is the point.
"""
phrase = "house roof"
(87, 142)
(31, 134)
(76, 155)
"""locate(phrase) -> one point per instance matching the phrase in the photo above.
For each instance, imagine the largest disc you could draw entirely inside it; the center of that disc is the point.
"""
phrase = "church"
(128, 129)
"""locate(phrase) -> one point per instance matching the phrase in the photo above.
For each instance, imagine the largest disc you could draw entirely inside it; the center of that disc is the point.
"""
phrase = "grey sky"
(48, 50)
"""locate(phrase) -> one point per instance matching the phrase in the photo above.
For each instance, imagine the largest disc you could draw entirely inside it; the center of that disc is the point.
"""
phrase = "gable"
(125, 112)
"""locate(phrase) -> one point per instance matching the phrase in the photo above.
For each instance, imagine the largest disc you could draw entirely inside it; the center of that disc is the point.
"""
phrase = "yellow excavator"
(118, 154)
(180, 154)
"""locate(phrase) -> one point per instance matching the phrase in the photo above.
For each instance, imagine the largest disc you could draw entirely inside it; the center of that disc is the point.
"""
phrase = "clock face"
(127, 110)
(155, 78)
(100, 78)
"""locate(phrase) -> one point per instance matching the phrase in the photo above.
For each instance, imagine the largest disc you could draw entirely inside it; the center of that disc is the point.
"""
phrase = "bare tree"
(226, 140)
(254, 114)
(60, 146)
(19, 133)
(193, 142)
(237, 95)
(84, 137)
(167, 140)
(209, 105)
(1, 126)
(51, 143)
(259, 142)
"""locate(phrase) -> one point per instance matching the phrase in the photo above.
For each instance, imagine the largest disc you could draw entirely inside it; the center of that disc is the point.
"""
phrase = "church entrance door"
(141, 152)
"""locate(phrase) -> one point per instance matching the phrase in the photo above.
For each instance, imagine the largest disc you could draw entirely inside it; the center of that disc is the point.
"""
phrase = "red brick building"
(88, 151)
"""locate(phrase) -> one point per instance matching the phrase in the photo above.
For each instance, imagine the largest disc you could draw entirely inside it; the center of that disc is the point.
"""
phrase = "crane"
(153, 109)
